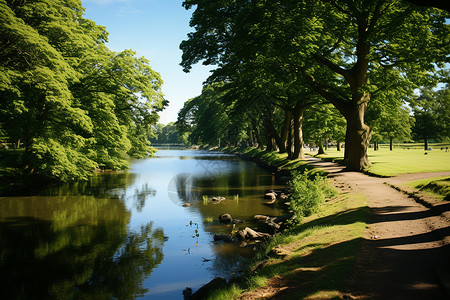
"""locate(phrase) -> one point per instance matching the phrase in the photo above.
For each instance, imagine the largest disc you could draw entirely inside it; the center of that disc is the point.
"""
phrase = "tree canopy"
(350, 53)
(74, 105)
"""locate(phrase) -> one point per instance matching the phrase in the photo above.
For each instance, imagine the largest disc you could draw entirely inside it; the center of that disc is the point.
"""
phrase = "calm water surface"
(126, 235)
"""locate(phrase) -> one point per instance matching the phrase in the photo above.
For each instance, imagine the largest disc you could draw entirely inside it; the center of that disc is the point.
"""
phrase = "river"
(131, 234)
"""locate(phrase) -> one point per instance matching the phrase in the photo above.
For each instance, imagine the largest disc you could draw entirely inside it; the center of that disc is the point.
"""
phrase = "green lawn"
(439, 187)
(401, 160)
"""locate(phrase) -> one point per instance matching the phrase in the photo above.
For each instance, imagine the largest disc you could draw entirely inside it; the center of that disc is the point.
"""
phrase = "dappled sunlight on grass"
(314, 258)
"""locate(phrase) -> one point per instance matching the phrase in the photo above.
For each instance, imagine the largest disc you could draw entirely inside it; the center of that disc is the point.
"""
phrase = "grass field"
(401, 160)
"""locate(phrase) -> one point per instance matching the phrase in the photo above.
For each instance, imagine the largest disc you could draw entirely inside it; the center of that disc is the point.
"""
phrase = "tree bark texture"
(271, 132)
(285, 131)
(357, 137)
(290, 141)
(299, 109)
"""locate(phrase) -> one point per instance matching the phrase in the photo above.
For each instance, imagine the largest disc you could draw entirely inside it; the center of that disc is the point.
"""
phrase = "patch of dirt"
(406, 250)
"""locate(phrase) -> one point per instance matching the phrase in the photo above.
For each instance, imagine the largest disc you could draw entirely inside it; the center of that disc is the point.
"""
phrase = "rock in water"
(218, 199)
(251, 234)
(270, 196)
(225, 219)
(223, 237)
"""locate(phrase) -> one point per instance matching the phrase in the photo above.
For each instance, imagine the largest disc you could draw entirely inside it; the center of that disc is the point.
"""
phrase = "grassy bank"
(274, 161)
(438, 187)
(400, 161)
(314, 257)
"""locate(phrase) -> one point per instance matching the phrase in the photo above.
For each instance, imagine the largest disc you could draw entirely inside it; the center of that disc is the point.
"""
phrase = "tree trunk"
(270, 145)
(257, 134)
(285, 131)
(338, 146)
(321, 150)
(290, 141)
(426, 144)
(270, 129)
(357, 136)
(298, 131)
(251, 137)
(390, 143)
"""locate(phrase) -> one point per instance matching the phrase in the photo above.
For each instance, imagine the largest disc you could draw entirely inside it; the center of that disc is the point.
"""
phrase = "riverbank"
(357, 246)
(311, 258)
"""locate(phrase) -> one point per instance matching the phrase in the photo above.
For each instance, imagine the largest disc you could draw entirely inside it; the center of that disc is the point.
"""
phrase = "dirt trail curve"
(406, 250)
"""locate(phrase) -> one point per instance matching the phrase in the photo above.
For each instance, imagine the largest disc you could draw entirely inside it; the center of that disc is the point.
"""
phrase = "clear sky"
(154, 29)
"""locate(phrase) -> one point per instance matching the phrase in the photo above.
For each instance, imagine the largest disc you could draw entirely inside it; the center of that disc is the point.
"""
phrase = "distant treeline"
(168, 135)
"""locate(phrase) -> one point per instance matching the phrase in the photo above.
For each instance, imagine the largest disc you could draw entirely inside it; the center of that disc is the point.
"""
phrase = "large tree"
(345, 50)
(73, 104)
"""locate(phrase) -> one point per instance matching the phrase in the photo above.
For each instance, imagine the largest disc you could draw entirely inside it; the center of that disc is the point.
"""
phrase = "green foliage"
(329, 239)
(308, 193)
(432, 115)
(324, 122)
(354, 54)
(73, 104)
(228, 293)
(392, 123)
(207, 119)
(167, 134)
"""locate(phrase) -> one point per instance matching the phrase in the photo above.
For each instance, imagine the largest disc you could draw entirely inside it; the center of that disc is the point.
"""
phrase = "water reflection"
(73, 247)
(123, 235)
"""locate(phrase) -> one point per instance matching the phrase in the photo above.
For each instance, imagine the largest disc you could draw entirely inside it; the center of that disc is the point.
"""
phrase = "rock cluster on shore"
(248, 237)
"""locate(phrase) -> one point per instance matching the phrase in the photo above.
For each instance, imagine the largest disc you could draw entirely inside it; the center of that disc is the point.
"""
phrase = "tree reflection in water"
(73, 247)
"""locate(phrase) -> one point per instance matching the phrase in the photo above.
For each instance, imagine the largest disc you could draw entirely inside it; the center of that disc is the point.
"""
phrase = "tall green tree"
(395, 124)
(322, 124)
(72, 103)
(167, 134)
(431, 114)
(207, 119)
(341, 48)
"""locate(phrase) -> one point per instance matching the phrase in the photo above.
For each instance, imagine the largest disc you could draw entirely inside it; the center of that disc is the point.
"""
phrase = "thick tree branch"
(340, 103)
(333, 67)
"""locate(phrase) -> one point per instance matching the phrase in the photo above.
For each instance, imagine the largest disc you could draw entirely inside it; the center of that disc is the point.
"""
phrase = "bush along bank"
(313, 253)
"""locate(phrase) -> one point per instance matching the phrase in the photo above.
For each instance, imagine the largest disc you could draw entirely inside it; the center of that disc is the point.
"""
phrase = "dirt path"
(406, 251)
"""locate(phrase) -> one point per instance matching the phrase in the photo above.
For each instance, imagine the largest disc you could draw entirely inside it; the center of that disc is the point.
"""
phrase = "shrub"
(308, 193)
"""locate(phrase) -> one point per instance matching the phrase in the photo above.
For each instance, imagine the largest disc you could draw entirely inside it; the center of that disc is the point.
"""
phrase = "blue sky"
(154, 29)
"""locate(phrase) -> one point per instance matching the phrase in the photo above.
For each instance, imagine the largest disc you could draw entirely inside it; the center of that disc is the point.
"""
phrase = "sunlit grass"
(438, 187)
(226, 294)
(323, 248)
(281, 161)
(208, 219)
(401, 160)
(319, 252)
